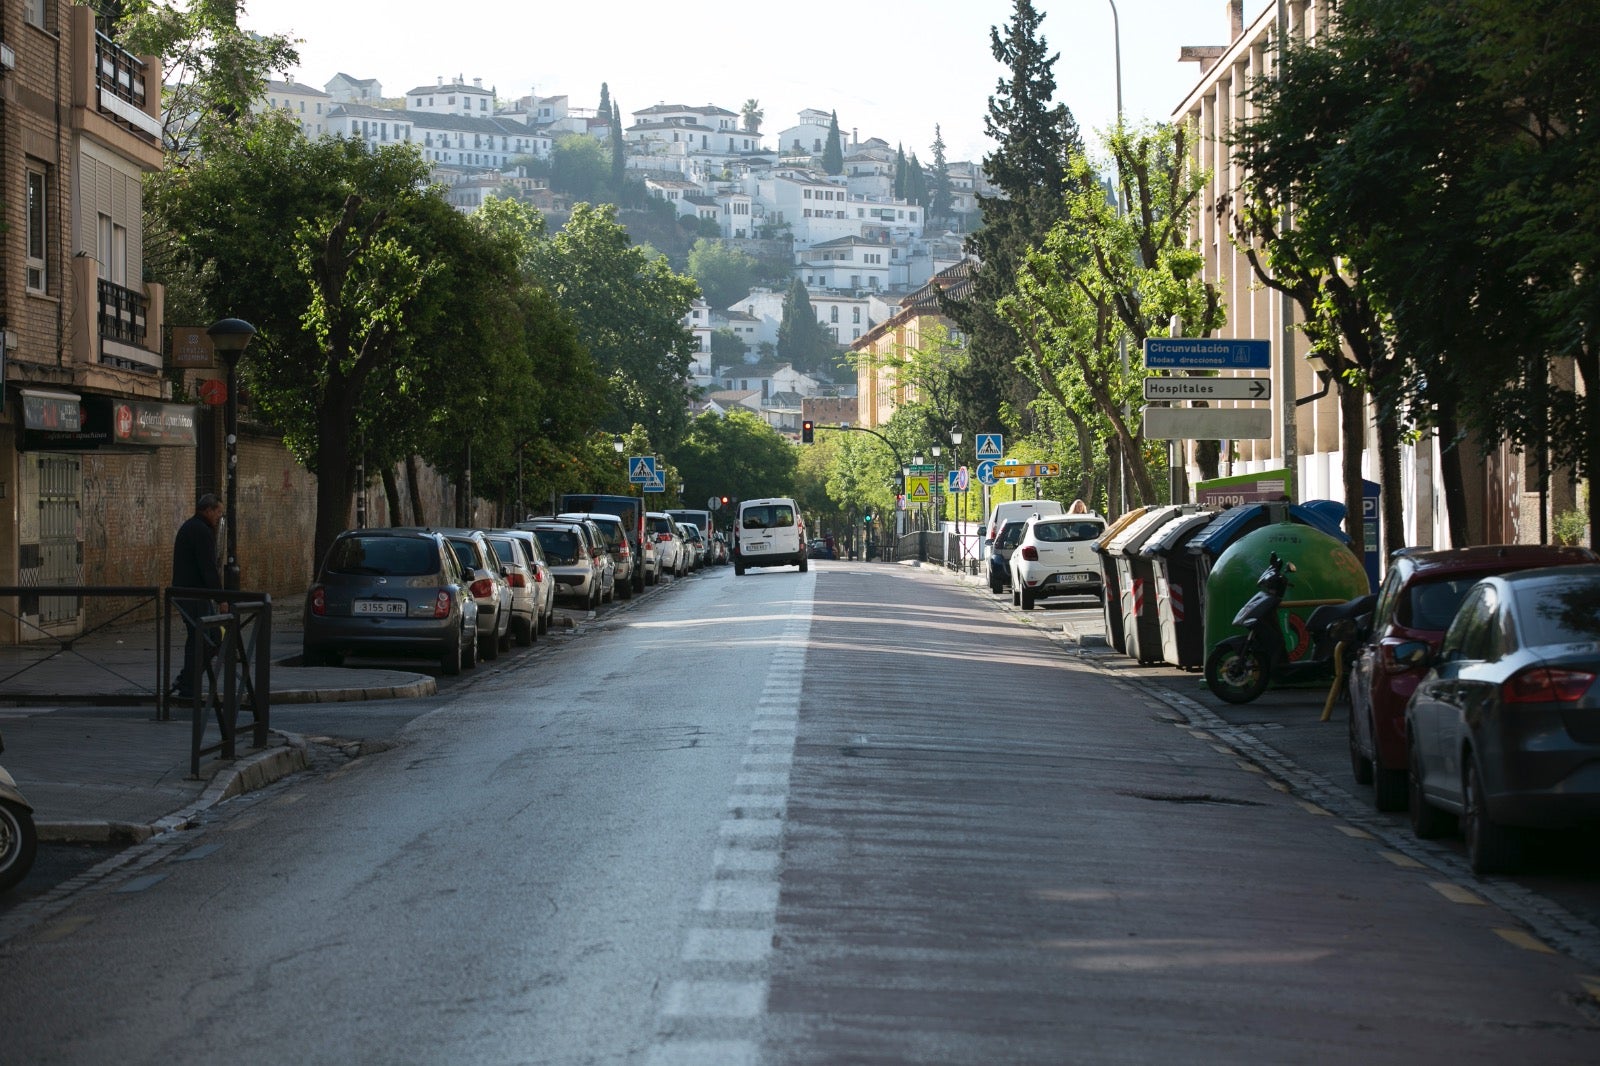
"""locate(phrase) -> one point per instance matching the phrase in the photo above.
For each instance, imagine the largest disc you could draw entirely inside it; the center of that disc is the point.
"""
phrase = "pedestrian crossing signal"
(808, 430)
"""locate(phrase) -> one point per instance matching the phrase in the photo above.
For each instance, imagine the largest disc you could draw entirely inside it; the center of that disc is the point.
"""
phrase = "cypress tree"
(900, 172)
(1034, 139)
(619, 152)
(940, 195)
(832, 150)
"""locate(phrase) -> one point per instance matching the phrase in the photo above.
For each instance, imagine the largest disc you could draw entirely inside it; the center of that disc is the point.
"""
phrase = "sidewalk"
(83, 742)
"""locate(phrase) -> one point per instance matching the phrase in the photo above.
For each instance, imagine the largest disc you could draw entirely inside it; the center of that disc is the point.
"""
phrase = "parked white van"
(1020, 510)
(769, 532)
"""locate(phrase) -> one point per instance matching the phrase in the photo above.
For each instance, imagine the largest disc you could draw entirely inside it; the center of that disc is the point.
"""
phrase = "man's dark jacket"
(194, 556)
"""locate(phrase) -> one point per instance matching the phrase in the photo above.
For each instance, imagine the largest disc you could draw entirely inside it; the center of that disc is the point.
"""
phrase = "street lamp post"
(230, 337)
(936, 497)
(961, 502)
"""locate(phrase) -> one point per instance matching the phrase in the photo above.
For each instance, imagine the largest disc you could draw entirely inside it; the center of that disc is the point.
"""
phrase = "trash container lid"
(1115, 528)
(1230, 525)
(1176, 532)
(1133, 535)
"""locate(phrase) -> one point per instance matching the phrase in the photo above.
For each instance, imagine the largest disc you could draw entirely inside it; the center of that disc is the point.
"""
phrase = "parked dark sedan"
(1504, 729)
(391, 592)
(1416, 603)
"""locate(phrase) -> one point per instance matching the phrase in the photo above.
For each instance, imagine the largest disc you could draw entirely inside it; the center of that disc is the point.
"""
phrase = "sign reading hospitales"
(1206, 353)
(1208, 388)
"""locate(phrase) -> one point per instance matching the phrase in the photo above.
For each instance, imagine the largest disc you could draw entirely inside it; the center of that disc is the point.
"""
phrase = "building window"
(36, 13)
(38, 235)
(833, 313)
(855, 315)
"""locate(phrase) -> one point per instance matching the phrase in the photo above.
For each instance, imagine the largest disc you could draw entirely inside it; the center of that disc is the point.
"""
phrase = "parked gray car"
(522, 576)
(544, 578)
(390, 592)
(617, 546)
(489, 587)
(566, 546)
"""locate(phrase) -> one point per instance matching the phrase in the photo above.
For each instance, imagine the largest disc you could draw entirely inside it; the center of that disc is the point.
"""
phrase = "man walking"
(194, 565)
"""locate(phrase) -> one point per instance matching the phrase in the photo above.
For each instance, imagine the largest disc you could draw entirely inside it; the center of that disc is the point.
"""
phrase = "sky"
(890, 68)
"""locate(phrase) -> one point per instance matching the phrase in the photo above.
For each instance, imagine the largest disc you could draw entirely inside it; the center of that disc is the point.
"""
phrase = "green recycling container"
(1325, 570)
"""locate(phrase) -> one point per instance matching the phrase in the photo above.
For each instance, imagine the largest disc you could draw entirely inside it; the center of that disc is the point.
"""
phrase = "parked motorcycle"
(1241, 667)
(19, 841)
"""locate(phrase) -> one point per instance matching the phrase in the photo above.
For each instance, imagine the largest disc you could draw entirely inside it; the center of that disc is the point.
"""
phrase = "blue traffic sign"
(986, 472)
(641, 469)
(990, 446)
(1206, 353)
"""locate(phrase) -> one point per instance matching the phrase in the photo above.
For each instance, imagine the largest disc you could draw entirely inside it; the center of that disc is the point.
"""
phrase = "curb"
(245, 774)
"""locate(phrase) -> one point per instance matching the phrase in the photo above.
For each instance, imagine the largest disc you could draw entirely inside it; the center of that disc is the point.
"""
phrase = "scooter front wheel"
(1236, 672)
(19, 841)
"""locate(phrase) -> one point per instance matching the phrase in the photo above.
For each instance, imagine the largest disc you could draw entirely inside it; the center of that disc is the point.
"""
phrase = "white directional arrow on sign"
(1208, 388)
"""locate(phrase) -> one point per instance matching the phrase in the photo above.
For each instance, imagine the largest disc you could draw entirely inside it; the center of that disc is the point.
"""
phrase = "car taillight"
(624, 551)
(517, 581)
(538, 575)
(1030, 553)
(319, 601)
(663, 537)
(482, 588)
(442, 604)
(1541, 684)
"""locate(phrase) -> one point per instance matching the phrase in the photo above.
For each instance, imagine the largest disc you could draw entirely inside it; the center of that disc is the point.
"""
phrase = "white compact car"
(1056, 557)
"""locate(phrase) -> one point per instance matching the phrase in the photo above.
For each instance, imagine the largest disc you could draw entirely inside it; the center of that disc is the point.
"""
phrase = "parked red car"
(1415, 606)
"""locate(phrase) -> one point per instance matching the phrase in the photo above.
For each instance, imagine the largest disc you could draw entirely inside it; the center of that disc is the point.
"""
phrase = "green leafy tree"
(628, 309)
(723, 272)
(619, 153)
(726, 348)
(579, 166)
(1475, 237)
(212, 73)
(803, 342)
(832, 148)
(736, 455)
(323, 241)
(1034, 137)
(1101, 276)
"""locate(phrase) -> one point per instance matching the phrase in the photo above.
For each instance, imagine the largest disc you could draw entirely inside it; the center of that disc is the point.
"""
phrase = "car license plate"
(380, 607)
(1067, 579)
(755, 547)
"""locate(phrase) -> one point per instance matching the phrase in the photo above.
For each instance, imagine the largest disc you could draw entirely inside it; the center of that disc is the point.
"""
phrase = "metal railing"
(233, 652)
(122, 314)
(141, 596)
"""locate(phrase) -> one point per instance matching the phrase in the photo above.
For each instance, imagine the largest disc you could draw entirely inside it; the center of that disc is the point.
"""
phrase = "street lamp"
(936, 496)
(961, 502)
(230, 337)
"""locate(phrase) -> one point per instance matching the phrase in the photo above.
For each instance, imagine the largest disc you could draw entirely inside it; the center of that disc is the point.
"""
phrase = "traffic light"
(866, 520)
(808, 430)
(724, 501)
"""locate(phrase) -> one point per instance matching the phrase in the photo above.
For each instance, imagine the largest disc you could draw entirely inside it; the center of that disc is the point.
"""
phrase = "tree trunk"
(333, 478)
(419, 514)
(391, 493)
(1353, 431)
(1392, 505)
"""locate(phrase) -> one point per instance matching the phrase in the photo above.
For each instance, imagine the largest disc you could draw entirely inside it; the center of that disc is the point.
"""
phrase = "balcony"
(122, 329)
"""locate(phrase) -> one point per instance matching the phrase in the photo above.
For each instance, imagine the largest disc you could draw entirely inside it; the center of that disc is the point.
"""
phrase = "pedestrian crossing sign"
(641, 469)
(917, 490)
(990, 446)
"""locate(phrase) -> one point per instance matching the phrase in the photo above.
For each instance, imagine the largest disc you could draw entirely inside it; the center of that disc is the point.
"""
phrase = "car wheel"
(627, 589)
(995, 586)
(1390, 788)
(738, 570)
(1016, 597)
(504, 643)
(1491, 848)
(19, 843)
(1236, 672)
(1427, 821)
(489, 648)
(802, 564)
(1360, 765)
(469, 652)
(526, 630)
(1025, 598)
(450, 661)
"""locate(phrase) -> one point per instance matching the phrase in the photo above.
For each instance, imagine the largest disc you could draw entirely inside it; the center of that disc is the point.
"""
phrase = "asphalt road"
(853, 816)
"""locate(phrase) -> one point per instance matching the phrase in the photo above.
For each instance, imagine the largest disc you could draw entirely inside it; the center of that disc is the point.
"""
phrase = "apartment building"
(96, 466)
